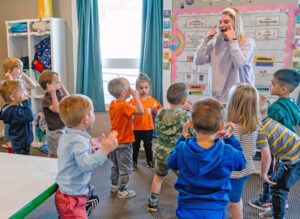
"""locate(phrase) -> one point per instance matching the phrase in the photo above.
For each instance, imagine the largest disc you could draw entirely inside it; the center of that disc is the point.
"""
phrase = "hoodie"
(204, 174)
(19, 118)
(286, 112)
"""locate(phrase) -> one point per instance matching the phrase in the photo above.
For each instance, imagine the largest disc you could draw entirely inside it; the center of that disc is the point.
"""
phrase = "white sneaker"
(266, 214)
(114, 188)
(126, 194)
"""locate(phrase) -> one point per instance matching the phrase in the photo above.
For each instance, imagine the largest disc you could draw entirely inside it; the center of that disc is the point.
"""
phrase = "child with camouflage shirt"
(169, 125)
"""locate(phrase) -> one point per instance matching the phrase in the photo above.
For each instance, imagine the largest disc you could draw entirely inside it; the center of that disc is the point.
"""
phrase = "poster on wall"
(193, 39)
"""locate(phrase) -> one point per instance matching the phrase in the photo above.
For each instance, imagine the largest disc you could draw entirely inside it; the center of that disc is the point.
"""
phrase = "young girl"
(143, 124)
(243, 110)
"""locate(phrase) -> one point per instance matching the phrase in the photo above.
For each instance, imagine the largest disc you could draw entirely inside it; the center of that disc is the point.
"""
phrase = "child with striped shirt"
(243, 111)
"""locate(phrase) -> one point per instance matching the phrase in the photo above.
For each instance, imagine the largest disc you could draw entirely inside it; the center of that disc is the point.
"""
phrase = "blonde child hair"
(11, 63)
(116, 86)
(47, 77)
(9, 88)
(243, 107)
(73, 108)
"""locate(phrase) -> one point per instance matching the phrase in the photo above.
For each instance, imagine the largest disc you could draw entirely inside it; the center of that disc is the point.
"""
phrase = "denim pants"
(122, 164)
(266, 192)
(286, 177)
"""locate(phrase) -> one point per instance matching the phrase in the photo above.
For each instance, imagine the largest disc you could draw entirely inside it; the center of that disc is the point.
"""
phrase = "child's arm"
(8, 76)
(172, 160)
(265, 165)
(64, 90)
(87, 162)
(51, 90)
(139, 107)
(29, 81)
(24, 114)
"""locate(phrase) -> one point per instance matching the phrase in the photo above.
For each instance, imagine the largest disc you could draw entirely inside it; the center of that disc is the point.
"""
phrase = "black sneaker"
(91, 204)
(150, 165)
(134, 167)
(152, 205)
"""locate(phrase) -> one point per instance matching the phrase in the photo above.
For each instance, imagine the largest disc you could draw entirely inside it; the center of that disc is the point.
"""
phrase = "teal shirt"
(286, 112)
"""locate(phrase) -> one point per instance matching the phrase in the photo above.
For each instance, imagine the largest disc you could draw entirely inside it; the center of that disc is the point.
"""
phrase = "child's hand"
(229, 34)
(212, 33)
(8, 76)
(133, 92)
(226, 132)
(50, 88)
(267, 178)
(110, 143)
(96, 143)
(185, 131)
(154, 110)
(24, 97)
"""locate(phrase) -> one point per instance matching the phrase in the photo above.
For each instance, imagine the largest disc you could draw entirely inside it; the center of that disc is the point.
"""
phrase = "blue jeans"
(266, 192)
(122, 165)
(286, 177)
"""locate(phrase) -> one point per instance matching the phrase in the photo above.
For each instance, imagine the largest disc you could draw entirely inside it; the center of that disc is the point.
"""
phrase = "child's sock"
(154, 197)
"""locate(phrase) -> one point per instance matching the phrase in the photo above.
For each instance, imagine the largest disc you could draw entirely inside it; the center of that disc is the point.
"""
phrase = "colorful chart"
(179, 42)
(188, 106)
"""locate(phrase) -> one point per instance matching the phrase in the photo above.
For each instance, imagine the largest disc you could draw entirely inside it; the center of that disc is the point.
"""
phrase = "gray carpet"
(140, 181)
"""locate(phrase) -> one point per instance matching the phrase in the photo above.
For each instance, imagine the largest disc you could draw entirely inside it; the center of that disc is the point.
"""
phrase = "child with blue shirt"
(75, 157)
(17, 113)
(205, 163)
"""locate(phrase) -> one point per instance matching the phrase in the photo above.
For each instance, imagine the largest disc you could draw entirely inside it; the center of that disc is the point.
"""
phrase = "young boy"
(285, 111)
(13, 68)
(75, 158)
(121, 113)
(18, 115)
(284, 146)
(169, 123)
(143, 124)
(55, 91)
(205, 163)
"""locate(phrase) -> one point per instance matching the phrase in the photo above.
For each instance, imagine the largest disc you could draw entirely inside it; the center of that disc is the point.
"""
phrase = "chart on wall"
(271, 26)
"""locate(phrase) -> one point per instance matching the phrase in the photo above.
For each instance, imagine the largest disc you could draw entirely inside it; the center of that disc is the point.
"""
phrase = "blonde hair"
(263, 106)
(243, 107)
(142, 78)
(11, 63)
(9, 88)
(73, 108)
(47, 77)
(116, 86)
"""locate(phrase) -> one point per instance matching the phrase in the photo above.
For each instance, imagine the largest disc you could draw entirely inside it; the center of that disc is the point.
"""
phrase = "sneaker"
(134, 167)
(126, 194)
(114, 188)
(266, 214)
(91, 204)
(152, 205)
(286, 204)
(150, 165)
(258, 204)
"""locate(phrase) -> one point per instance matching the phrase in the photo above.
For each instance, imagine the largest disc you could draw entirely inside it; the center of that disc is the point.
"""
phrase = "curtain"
(151, 48)
(89, 65)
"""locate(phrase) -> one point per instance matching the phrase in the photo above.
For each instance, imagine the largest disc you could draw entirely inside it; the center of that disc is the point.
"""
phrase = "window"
(120, 33)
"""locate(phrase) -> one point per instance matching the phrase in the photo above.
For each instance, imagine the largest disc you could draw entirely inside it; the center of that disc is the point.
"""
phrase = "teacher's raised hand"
(212, 33)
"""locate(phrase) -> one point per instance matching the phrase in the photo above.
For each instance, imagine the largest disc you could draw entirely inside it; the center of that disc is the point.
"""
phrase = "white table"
(26, 181)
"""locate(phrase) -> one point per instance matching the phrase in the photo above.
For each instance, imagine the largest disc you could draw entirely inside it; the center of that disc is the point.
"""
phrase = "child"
(284, 146)
(285, 111)
(75, 158)
(169, 124)
(143, 124)
(55, 91)
(13, 68)
(121, 113)
(205, 163)
(243, 111)
(18, 115)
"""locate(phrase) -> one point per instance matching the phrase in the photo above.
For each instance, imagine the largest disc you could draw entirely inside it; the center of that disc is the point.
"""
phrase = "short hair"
(11, 63)
(73, 108)
(288, 77)
(47, 77)
(176, 92)
(243, 107)
(263, 105)
(207, 115)
(116, 86)
(142, 78)
(9, 88)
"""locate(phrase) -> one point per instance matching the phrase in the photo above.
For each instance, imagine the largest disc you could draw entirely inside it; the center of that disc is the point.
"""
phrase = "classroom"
(150, 109)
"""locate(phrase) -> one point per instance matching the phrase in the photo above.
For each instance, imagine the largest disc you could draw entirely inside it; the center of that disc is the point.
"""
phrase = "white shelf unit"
(23, 44)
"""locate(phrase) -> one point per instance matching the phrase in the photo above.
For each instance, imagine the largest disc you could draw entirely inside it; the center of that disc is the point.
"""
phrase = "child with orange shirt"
(120, 113)
(143, 124)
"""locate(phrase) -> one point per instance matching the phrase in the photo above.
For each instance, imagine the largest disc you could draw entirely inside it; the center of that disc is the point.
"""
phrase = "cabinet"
(22, 38)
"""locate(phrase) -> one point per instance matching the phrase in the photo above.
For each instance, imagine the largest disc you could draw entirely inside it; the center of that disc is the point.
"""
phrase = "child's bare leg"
(236, 209)
(156, 183)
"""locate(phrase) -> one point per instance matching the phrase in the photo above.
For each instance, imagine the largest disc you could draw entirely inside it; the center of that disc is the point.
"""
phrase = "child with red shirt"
(143, 124)
(120, 113)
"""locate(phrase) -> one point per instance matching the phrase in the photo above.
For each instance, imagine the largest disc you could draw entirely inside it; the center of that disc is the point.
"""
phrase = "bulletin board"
(271, 26)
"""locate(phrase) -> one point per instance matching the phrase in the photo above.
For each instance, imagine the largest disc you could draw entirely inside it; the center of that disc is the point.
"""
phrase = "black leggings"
(146, 136)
